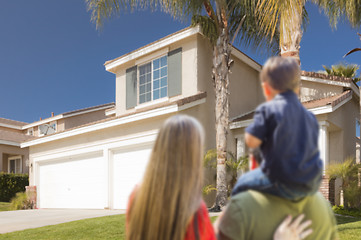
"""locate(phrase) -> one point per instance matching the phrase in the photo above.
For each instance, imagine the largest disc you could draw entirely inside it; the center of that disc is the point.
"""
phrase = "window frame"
(160, 99)
(14, 158)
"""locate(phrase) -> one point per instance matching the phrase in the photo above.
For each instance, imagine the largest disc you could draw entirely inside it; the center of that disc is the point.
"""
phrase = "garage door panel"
(128, 170)
(73, 183)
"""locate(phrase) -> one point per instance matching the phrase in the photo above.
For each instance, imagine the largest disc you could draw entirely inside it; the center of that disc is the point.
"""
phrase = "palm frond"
(352, 51)
(208, 27)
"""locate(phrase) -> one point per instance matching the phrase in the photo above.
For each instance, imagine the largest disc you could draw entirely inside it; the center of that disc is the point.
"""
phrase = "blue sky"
(51, 55)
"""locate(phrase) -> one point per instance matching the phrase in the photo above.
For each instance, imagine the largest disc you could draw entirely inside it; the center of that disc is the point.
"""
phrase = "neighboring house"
(97, 165)
(14, 159)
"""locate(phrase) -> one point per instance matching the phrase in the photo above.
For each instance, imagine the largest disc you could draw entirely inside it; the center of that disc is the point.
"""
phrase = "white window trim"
(150, 60)
(14, 158)
(50, 123)
(30, 129)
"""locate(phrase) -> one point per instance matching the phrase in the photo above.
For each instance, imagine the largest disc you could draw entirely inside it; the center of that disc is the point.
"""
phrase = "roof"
(79, 129)
(14, 136)
(332, 101)
(326, 77)
(110, 105)
(70, 114)
(152, 43)
(12, 122)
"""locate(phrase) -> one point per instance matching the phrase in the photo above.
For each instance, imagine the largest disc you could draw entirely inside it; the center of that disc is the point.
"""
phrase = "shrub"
(350, 212)
(21, 202)
(10, 184)
(348, 172)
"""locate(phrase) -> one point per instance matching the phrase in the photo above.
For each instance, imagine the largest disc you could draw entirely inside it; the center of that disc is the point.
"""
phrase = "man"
(255, 215)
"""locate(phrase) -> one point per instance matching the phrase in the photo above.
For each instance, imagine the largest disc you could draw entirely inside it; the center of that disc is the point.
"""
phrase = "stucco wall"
(313, 90)
(78, 120)
(189, 72)
(345, 119)
(9, 151)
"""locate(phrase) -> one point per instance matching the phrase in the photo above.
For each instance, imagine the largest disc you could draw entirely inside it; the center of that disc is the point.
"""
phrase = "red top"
(203, 223)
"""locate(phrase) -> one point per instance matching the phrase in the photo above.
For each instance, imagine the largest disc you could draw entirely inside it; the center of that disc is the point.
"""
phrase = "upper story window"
(159, 78)
(153, 80)
(47, 128)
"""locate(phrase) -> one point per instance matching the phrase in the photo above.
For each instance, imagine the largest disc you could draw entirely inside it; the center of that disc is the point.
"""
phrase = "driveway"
(11, 221)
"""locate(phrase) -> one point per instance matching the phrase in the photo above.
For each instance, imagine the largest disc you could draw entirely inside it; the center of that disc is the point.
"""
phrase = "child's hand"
(295, 230)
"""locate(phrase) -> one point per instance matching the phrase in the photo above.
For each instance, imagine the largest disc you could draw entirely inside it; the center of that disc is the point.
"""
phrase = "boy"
(287, 135)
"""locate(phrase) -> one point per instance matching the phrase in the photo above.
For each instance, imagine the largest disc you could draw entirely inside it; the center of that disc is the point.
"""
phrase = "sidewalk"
(11, 221)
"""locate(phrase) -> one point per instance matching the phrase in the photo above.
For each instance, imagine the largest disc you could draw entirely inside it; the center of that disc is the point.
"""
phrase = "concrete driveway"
(11, 221)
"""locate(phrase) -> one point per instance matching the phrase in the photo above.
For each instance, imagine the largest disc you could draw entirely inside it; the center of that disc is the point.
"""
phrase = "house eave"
(113, 64)
(10, 143)
(173, 108)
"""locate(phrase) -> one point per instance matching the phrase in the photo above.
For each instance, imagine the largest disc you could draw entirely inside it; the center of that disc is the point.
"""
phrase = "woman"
(168, 204)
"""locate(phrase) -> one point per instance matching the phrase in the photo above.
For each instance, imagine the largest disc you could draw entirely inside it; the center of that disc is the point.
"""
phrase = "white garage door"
(128, 169)
(73, 182)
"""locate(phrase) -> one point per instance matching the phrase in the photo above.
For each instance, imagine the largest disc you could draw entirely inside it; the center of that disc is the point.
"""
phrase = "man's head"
(280, 74)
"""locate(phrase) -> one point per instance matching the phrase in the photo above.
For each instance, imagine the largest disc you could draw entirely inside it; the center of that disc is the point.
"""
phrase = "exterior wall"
(10, 129)
(60, 124)
(189, 73)
(312, 90)
(345, 118)
(7, 151)
(81, 119)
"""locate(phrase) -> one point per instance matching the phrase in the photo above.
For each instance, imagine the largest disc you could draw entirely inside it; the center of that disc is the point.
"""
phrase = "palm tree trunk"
(221, 67)
(291, 32)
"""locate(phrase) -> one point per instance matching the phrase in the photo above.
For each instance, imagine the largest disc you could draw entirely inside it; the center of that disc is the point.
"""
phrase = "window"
(153, 80)
(15, 164)
(47, 128)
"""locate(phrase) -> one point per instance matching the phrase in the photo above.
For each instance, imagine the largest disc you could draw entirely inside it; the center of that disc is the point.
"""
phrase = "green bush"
(21, 201)
(10, 184)
(350, 212)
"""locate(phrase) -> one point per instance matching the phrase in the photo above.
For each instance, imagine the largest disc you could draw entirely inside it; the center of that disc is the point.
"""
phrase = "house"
(97, 165)
(14, 159)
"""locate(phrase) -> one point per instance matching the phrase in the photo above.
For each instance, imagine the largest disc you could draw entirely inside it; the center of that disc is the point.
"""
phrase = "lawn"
(112, 227)
(4, 206)
(349, 228)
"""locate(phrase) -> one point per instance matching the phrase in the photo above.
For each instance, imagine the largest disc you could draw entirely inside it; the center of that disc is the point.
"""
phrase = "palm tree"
(343, 70)
(286, 17)
(355, 49)
(220, 20)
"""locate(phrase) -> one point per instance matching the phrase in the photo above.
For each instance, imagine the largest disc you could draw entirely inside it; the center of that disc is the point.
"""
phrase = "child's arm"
(252, 141)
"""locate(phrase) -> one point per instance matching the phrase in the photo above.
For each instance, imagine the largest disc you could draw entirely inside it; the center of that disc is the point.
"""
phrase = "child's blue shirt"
(289, 135)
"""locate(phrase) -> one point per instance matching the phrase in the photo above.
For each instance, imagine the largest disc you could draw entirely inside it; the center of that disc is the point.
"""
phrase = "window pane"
(163, 72)
(149, 87)
(142, 89)
(141, 80)
(156, 74)
(163, 61)
(163, 92)
(148, 67)
(156, 84)
(148, 97)
(156, 94)
(163, 82)
(12, 166)
(156, 64)
(149, 77)
(141, 98)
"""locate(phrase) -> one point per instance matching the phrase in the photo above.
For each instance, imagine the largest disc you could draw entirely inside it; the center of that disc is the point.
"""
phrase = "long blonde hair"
(170, 192)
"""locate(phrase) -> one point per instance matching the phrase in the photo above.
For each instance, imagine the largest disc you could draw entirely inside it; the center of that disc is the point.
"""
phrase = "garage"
(73, 182)
(129, 165)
